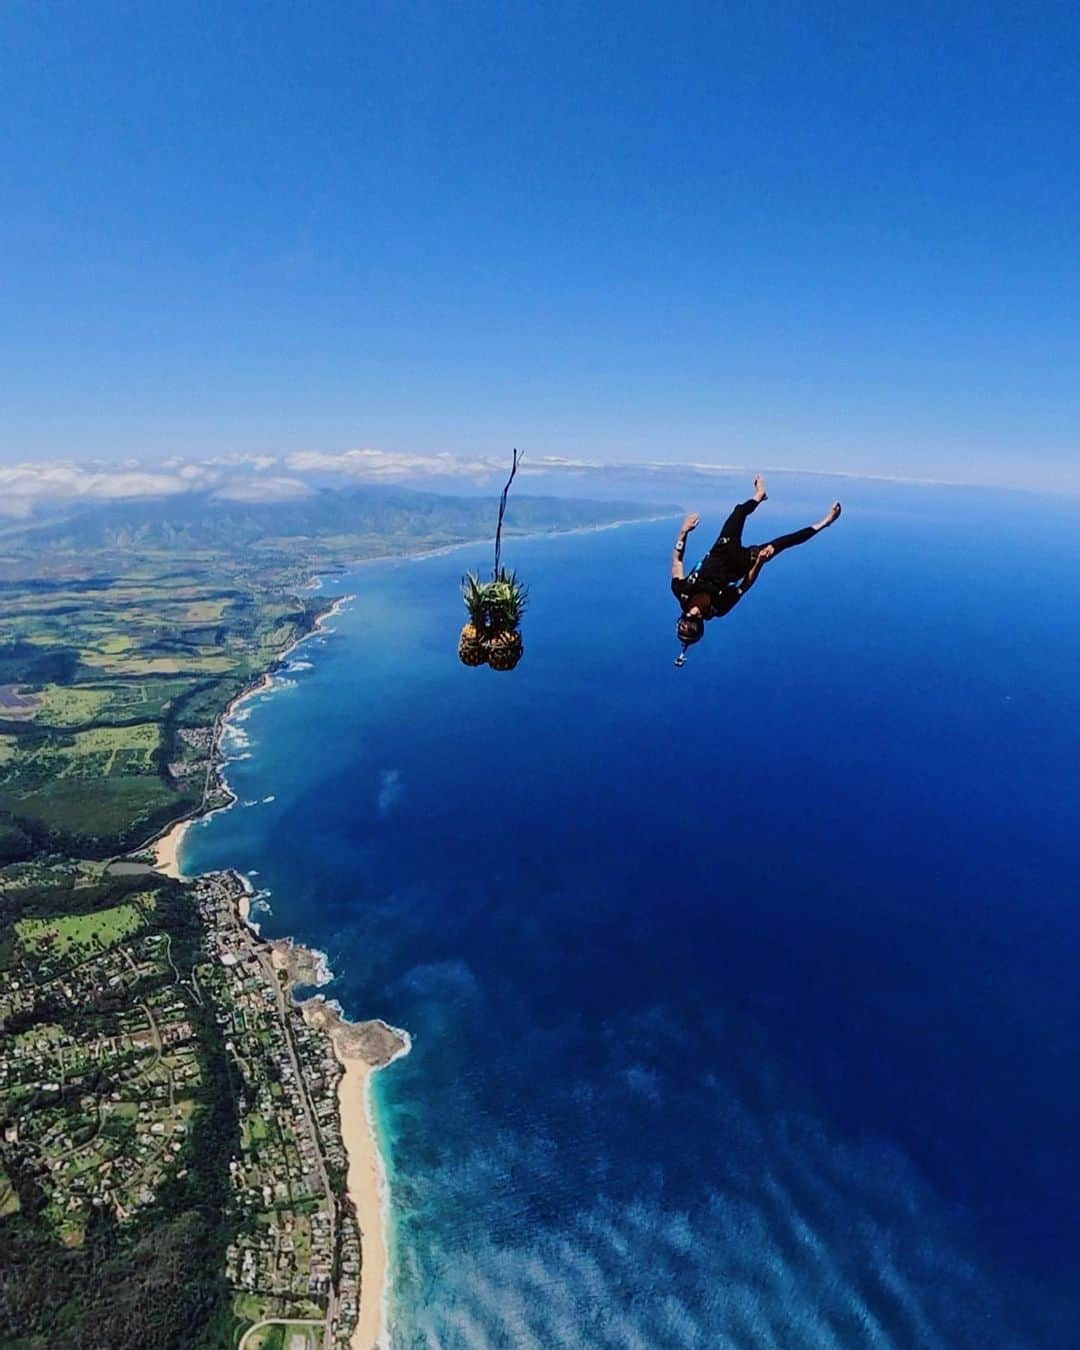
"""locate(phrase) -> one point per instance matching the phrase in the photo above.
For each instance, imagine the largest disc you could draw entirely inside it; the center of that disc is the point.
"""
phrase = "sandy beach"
(364, 1182)
(361, 1048)
(166, 850)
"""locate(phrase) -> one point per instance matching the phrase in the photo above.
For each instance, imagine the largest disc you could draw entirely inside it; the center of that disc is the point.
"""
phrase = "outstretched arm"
(677, 570)
(762, 558)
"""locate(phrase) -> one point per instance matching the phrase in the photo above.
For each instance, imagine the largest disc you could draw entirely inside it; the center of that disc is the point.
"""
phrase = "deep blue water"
(744, 998)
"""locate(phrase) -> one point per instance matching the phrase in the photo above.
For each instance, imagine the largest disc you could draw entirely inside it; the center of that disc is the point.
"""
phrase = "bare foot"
(760, 494)
(834, 514)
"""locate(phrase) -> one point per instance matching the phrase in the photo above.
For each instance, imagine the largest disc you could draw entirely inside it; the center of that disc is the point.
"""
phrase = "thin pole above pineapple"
(494, 607)
(502, 512)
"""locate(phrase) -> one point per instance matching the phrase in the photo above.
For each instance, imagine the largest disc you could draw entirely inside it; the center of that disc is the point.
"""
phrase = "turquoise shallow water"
(743, 998)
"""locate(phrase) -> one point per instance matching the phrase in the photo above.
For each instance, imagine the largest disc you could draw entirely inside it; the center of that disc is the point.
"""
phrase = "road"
(331, 1200)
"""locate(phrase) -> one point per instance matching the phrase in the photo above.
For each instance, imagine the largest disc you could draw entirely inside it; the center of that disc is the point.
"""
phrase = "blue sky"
(815, 236)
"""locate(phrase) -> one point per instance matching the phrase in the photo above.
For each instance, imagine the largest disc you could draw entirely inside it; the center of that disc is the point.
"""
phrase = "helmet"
(690, 629)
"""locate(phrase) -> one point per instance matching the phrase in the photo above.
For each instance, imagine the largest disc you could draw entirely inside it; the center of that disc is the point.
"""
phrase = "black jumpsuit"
(728, 562)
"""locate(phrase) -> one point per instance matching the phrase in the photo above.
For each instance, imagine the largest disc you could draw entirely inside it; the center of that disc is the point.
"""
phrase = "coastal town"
(97, 1072)
(111, 1011)
(100, 1071)
(296, 1255)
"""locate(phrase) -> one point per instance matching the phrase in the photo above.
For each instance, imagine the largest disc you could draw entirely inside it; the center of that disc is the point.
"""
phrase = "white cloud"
(391, 466)
(26, 488)
(264, 490)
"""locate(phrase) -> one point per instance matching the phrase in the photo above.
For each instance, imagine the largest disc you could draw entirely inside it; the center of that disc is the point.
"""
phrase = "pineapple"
(495, 609)
(504, 650)
(471, 648)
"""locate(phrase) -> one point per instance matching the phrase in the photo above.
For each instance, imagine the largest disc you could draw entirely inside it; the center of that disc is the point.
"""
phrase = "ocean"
(743, 998)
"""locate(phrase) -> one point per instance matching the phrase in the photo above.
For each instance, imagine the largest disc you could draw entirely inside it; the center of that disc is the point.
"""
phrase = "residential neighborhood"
(103, 1068)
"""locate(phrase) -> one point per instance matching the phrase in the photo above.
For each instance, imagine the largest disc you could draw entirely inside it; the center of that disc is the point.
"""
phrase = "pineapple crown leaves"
(474, 592)
(495, 604)
(512, 596)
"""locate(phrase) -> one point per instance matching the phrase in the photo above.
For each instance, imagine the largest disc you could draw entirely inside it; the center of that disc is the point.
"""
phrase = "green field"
(31, 760)
(101, 675)
(249, 1307)
(102, 664)
(66, 706)
(130, 701)
(9, 1201)
(88, 784)
(115, 644)
(128, 746)
(257, 1128)
(287, 1336)
(78, 935)
(205, 611)
(160, 664)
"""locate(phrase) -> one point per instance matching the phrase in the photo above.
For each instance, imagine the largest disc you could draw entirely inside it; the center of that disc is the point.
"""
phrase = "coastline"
(166, 847)
(369, 1191)
(420, 555)
(360, 1048)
